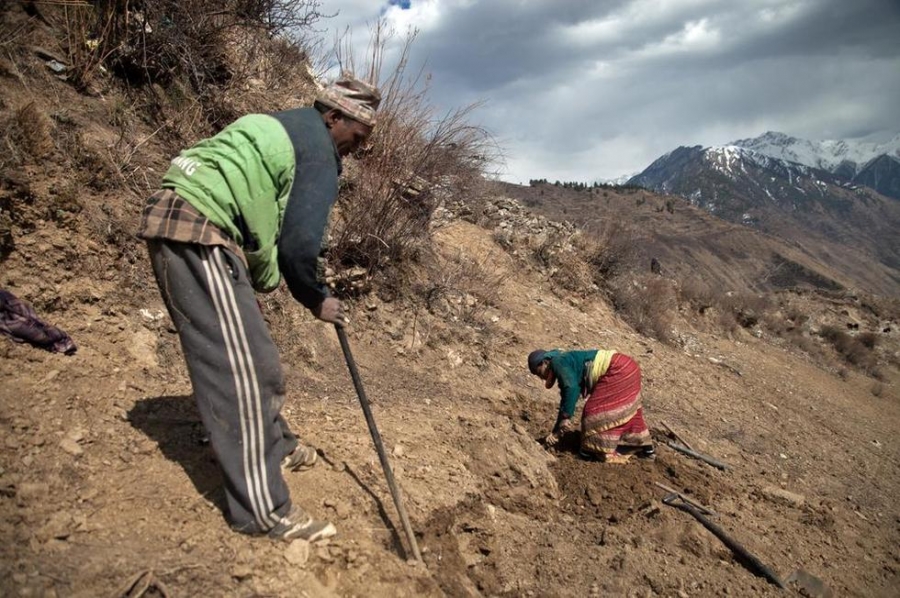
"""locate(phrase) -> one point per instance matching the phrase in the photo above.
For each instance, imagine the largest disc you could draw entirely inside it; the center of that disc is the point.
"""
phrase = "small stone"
(324, 554)
(297, 552)
(780, 495)
(241, 572)
(76, 434)
(59, 527)
(70, 446)
(145, 447)
(398, 451)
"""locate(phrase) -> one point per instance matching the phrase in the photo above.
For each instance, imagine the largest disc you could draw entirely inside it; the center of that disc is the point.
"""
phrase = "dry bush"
(699, 294)
(795, 315)
(850, 348)
(727, 322)
(557, 252)
(212, 50)
(459, 288)
(647, 302)
(573, 273)
(581, 261)
(612, 250)
(415, 158)
(25, 133)
(748, 310)
(805, 343)
(91, 38)
(868, 339)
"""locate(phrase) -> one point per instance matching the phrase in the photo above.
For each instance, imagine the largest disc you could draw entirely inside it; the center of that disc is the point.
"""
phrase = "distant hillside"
(690, 242)
(882, 174)
(804, 206)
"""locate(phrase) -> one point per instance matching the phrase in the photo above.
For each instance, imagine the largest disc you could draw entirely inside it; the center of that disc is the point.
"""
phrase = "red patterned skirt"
(613, 415)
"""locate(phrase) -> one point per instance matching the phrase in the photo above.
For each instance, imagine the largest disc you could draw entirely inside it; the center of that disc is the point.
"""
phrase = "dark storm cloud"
(585, 90)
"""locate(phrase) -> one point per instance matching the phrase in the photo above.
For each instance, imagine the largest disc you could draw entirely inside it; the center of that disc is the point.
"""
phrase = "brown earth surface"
(105, 474)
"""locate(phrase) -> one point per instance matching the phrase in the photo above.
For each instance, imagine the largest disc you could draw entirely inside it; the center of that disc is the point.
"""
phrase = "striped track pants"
(235, 372)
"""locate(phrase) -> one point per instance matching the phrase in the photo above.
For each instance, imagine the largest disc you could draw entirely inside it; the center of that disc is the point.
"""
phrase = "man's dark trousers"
(235, 372)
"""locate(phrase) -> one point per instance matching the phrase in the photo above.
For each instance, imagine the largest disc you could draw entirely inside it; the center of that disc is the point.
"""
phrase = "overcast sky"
(588, 90)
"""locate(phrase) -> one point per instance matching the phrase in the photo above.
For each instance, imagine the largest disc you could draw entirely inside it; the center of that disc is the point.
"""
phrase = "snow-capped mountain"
(827, 155)
(782, 197)
(619, 180)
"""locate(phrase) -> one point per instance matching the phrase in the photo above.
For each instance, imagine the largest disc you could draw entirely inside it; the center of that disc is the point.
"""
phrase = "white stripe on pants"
(236, 374)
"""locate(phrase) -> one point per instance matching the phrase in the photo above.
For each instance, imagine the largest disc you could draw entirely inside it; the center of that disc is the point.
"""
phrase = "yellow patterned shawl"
(601, 364)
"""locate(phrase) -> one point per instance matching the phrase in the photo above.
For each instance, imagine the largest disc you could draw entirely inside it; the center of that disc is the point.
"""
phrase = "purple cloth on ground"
(19, 320)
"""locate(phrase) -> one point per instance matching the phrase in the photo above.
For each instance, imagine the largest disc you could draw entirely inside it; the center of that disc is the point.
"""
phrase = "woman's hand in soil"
(551, 440)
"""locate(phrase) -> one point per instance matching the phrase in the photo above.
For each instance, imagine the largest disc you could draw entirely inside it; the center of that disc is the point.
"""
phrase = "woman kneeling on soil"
(612, 422)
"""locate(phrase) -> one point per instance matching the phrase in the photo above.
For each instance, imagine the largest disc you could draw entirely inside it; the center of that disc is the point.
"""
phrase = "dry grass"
(25, 133)
(416, 158)
(612, 250)
(459, 288)
(853, 350)
(647, 302)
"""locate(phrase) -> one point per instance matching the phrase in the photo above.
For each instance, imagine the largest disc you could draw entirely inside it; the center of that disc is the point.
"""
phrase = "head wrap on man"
(356, 99)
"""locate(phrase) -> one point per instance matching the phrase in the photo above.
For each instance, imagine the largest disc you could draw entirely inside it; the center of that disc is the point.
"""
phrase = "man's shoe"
(297, 524)
(303, 458)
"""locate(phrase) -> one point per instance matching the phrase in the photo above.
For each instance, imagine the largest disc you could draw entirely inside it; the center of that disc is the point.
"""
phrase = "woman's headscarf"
(535, 358)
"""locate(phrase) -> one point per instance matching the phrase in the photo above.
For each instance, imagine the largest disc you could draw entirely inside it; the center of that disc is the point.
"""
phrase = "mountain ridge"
(798, 203)
(830, 155)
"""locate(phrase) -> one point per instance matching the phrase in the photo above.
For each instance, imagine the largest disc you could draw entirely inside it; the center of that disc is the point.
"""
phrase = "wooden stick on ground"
(691, 453)
(702, 508)
(675, 435)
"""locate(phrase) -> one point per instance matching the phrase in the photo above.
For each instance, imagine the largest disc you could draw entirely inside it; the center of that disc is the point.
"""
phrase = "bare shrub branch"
(647, 302)
(415, 160)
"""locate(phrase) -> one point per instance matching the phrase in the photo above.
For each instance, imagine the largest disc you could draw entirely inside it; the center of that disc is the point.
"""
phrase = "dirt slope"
(105, 474)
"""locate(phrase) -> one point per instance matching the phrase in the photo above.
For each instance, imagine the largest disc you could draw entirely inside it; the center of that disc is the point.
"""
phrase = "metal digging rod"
(379, 446)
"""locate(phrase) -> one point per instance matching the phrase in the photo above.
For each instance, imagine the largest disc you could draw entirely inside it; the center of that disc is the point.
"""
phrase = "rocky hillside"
(688, 241)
